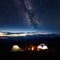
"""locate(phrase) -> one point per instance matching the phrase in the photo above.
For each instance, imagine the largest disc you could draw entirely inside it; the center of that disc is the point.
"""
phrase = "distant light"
(15, 48)
(13, 35)
(33, 48)
(28, 48)
(22, 34)
(2, 34)
(42, 47)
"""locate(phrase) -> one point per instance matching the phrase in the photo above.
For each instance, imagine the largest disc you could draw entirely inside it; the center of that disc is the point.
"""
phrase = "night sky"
(30, 15)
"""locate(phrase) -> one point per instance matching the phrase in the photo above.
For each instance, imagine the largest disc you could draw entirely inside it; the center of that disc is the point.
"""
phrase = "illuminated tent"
(16, 48)
(42, 47)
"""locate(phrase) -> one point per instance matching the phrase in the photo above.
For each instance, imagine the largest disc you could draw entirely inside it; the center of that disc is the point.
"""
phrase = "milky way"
(29, 16)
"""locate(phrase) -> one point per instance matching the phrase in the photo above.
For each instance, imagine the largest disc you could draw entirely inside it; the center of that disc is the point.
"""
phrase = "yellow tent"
(15, 48)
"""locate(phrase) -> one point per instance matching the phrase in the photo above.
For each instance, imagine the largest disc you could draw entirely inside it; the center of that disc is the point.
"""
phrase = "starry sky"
(30, 15)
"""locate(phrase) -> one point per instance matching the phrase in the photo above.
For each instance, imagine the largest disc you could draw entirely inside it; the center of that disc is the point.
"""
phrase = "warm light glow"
(15, 48)
(32, 48)
(28, 48)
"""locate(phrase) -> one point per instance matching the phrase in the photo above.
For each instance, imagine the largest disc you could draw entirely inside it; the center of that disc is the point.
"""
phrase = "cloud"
(12, 34)
(20, 34)
(2, 34)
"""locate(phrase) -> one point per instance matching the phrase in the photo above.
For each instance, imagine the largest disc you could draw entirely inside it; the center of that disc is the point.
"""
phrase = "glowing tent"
(42, 47)
(16, 48)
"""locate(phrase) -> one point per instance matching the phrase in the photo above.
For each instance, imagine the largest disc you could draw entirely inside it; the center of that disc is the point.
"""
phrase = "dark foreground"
(52, 53)
(29, 55)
